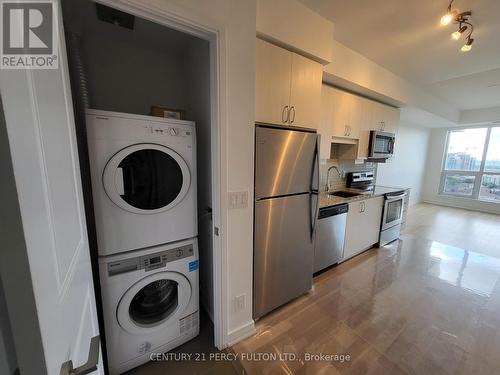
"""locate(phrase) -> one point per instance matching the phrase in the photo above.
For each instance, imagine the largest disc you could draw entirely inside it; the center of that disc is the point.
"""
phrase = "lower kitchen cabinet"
(363, 225)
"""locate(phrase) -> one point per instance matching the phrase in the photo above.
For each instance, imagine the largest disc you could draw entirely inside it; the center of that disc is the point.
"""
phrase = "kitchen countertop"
(327, 200)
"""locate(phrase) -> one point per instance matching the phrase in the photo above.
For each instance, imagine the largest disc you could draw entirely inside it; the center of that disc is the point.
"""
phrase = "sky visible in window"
(471, 141)
(494, 149)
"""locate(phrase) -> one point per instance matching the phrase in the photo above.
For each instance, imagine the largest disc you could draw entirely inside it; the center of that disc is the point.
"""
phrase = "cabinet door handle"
(292, 117)
(284, 113)
(349, 127)
(362, 207)
(346, 131)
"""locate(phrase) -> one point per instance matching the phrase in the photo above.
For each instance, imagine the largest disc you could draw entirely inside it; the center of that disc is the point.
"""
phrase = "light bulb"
(457, 34)
(467, 46)
(446, 19)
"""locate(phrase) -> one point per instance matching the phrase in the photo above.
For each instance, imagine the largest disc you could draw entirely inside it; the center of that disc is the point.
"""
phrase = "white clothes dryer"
(143, 172)
(150, 302)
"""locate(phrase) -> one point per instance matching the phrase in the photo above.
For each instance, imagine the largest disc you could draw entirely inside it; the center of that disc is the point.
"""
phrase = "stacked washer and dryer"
(143, 172)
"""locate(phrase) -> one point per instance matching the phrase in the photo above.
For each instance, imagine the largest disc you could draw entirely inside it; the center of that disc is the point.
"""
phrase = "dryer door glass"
(155, 302)
(152, 179)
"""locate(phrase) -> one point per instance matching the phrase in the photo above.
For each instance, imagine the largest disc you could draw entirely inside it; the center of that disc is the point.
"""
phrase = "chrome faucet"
(328, 186)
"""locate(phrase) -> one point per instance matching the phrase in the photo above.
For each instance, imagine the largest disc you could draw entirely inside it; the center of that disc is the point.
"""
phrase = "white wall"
(407, 167)
(351, 66)
(113, 88)
(296, 27)
(484, 115)
(114, 59)
(432, 181)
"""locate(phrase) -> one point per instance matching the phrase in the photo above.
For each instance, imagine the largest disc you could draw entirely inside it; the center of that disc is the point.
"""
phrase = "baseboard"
(461, 205)
(241, 333)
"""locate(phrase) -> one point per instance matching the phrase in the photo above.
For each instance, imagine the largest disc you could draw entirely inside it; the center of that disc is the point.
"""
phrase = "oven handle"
(395, 197)
(391, 146)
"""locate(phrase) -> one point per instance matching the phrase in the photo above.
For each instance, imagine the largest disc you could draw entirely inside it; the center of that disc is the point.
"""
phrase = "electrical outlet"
(238, 199)
(239, 302)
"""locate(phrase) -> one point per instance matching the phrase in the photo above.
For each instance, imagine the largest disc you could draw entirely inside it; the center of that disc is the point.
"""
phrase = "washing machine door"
(154, 302)
(146, 178)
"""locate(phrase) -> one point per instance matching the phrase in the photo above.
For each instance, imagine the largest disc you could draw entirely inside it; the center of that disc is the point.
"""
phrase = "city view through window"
(465, 173)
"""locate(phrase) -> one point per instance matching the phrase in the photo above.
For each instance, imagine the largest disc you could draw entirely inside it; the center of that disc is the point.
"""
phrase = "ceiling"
(406, 38)
(473, 91)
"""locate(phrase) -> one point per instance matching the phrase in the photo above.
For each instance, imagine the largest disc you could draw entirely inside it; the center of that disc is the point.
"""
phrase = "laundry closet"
(141, 96)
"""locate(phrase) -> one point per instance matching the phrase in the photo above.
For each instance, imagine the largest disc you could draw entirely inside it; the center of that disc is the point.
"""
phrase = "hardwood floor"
(417, 306)
(470, 230)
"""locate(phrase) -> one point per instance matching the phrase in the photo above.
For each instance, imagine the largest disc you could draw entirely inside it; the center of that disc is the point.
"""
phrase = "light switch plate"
(239, 302)
(237, 199)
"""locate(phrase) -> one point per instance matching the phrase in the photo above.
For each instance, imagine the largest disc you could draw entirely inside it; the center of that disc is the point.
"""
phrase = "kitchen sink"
(344, 194)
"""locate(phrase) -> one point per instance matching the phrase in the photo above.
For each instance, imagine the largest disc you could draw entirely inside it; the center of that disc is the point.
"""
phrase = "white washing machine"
(150, 302)
(143, 171)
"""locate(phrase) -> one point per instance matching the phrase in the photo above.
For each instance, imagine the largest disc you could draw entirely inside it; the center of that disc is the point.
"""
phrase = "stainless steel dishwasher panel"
(330, 236)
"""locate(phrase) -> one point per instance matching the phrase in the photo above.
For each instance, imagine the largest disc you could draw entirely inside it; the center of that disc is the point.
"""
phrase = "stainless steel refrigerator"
(286, 211)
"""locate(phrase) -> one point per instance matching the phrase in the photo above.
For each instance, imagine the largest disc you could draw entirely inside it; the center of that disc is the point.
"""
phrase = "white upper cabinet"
(365, 128)
(343, 111)
(382, 117)
(325, 124)
(288, 87)
(391, 121)
(305, 93)
(348, 119)
(273, 80)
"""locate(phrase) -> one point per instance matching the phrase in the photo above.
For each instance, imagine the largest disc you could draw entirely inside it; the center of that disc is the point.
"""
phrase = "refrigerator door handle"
(314, 189)
(314, 212)
(315, 170)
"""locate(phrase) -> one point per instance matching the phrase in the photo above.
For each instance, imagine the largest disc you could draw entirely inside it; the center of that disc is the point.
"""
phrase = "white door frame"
(182, 19)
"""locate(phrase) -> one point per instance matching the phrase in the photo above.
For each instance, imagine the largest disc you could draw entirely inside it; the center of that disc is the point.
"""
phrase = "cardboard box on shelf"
(160, 111)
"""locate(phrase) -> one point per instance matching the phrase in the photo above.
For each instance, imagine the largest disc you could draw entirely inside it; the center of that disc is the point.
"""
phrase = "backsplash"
(344, 166)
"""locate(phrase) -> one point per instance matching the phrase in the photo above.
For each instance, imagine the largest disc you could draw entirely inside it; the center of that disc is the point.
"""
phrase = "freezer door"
(284, 161)
(283, 251)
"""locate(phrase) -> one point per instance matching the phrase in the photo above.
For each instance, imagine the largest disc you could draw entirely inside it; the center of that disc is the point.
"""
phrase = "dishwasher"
(330, 236)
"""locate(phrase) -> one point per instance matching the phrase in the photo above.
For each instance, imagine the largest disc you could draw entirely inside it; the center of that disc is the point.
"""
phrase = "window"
(472, 164)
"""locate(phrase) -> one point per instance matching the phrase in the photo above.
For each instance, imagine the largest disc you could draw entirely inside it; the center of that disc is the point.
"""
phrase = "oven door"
(393, 210)
(381, 144)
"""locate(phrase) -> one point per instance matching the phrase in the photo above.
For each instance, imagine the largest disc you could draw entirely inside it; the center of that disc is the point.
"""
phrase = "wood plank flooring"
(470, 230)
(417, 306)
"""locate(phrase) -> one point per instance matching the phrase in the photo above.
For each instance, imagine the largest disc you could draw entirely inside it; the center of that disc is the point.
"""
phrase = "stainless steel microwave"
(381, 145)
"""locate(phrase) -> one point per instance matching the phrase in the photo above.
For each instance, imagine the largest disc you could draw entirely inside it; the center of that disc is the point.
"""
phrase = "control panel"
(151, 261)
(361, 180)
(167, 131)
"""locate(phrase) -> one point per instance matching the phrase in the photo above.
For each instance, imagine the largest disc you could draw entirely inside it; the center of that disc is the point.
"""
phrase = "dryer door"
(146, 178)
(154, 302)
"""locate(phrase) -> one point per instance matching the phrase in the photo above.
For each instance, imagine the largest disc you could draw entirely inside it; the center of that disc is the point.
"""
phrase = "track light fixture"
(463, 22)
